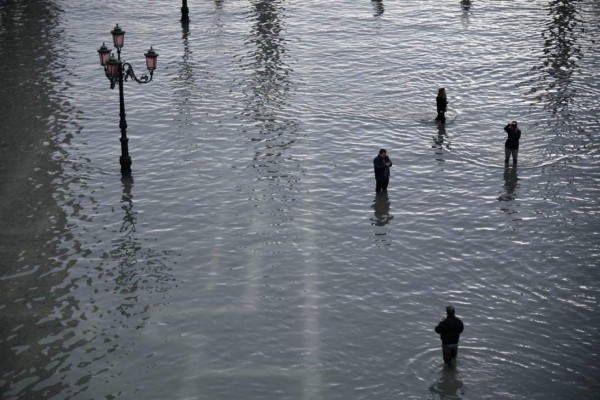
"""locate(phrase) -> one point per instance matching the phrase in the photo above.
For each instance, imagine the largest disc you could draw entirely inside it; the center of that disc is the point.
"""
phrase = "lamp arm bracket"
(129, 73)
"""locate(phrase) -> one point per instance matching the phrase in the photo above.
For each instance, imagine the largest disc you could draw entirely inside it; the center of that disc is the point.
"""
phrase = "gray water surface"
(248, 257)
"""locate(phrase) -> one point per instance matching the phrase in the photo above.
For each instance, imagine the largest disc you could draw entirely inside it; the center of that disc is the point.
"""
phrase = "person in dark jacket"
(511, 147)
(450, 330)
(442, 104)
(382, 164)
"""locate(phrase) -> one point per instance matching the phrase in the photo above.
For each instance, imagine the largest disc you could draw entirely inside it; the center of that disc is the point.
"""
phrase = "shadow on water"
(449, 386)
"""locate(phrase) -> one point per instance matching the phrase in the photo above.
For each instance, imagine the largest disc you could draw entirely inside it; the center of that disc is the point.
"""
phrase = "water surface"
(248, 256)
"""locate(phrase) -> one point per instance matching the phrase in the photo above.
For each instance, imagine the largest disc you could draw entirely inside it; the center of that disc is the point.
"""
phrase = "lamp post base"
(184, 14)
(125, 165)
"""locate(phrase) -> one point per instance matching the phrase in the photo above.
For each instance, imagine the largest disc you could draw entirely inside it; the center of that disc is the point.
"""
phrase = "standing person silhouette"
(450, 330)
(378, 6)
(382, 164)
(442, 104)
(511, 147)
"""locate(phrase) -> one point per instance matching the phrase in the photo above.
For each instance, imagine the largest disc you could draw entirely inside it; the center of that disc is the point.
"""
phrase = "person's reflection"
(440, 141)
(378, 8)
(510, 184)
(441, 136)
(449, 386)
(466, 10)
(381, 206)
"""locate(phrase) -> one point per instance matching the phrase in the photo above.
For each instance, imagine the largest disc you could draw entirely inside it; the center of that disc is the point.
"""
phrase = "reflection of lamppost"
(117, 71)
(184, 11)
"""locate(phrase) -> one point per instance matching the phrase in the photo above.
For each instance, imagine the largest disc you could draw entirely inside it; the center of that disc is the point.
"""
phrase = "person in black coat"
(450, 330)
(441, 102)
(382, 164)
(511, 147)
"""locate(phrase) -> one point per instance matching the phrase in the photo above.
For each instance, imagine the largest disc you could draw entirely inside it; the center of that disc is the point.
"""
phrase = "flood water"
(248, 256)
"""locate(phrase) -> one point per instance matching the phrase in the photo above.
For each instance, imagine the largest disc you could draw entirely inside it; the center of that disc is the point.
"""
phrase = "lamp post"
(117, 72)
(185, 12)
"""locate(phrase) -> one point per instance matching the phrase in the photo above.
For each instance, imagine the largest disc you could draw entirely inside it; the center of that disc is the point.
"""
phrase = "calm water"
(248, 256)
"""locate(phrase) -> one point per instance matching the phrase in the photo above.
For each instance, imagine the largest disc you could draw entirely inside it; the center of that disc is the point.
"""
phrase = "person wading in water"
(511, 147)
(442, 104)
(382, 164)
(450, 330)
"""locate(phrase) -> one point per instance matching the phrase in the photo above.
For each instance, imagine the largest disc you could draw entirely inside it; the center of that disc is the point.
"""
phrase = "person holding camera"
(511, 147)
(382, 164)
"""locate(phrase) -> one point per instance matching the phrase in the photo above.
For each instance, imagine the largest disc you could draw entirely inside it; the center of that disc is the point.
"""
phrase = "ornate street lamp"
(118, 71)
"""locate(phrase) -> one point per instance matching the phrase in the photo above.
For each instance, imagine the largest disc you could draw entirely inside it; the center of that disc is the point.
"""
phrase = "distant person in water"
(450, 330)
(382, 164)
(511, 147)
(379, 9)
(442, 104)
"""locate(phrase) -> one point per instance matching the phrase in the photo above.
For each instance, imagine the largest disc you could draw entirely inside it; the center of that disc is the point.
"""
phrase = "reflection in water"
(562, 51)
(510, 185)
(129, 219)
(466, 8)
(184, 81)
(378, 8)
(218, 22)
(125, 252)
(34, 262)
(440, 141)
(381, 217)
(139, 268)
(269, 91)
(381, 206)
(269, 87)
(74, 340)
(110, 297)
(449, 386)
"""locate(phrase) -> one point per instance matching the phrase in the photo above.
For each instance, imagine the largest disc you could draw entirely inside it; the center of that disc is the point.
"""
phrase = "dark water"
(248, 256)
